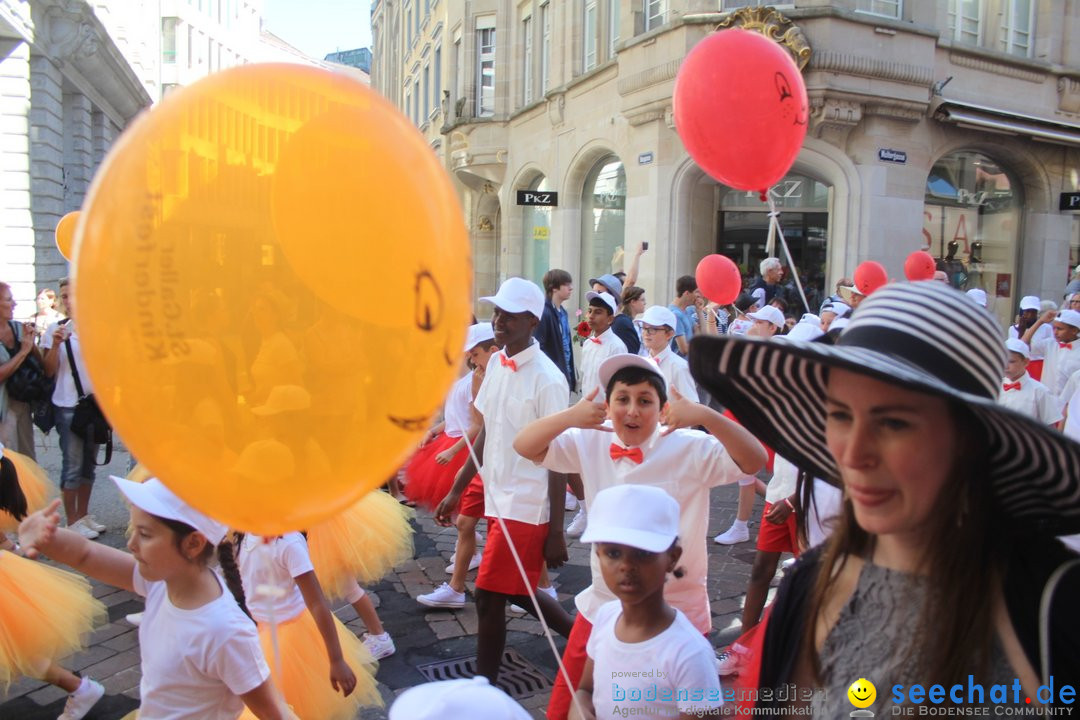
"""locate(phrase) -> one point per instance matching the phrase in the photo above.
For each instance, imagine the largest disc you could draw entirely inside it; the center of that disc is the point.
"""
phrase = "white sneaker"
(518, 610)
(571, 501)
(134, 618)
(83, 529)
(443, 596)
(732, 661)
(577, 525)
(733, 535)
(473, 564)
(82, 700)
(92, 522)
(380, 646)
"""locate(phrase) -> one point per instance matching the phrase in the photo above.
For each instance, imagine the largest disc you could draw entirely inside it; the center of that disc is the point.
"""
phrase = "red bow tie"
(634, 454)
(507, 362)
(597, 340)
(1065, 346)
(1011, 386)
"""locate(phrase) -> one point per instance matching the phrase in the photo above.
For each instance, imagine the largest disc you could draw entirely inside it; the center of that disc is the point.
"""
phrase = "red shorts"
(498, 571)
(777, 538)
(1035, 368)
(573, 657)
(472, 500)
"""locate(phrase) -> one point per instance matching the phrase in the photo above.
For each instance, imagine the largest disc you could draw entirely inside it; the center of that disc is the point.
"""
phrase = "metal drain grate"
(518, 677)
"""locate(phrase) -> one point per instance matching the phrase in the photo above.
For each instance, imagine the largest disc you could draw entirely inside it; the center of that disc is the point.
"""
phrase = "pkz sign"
(1070, 201)
(537, 197)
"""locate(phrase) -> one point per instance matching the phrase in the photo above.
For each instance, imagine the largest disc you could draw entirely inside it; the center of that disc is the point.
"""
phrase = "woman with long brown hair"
(944, 567)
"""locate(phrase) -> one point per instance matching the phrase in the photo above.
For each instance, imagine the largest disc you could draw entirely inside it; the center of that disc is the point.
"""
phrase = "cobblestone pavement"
(422, 635)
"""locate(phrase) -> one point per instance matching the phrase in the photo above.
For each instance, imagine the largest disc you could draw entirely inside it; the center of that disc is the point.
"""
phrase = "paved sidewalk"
(422, 635)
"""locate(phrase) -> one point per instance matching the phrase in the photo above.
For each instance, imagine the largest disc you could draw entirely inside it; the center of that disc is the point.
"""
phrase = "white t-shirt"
(274, 566)
(592, 354)
(1032, 399)
(509, 400)
(196, 663)
(1045, 332)
(65, 395)
(677, 373)
(685, 464)
(1071, 400)
(1060, 363)
(456, 410)
(664, 676)
(784, 480)
(827, 505)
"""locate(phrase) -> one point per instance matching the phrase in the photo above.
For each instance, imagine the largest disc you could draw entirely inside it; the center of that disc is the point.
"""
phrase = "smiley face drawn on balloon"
(789, 104)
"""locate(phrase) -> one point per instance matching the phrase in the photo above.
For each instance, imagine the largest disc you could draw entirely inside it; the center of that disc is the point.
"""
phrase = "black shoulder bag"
(28, 383)
(89, 422)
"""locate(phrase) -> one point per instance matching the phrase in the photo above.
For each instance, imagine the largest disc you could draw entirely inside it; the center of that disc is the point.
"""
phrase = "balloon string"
(774, 226)
(528, 586)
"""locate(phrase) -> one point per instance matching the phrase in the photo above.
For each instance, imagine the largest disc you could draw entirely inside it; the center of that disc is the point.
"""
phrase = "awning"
(1002, 121)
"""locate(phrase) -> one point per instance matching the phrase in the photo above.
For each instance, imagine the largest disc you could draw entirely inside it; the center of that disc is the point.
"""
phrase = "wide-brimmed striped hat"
(924, 336)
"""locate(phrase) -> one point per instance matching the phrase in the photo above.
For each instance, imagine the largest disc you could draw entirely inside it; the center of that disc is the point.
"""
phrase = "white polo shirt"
(785, 479)
(677, 373)
(686, 464)
(65, 395)
(594, 351)
(1031, 398)
(1070, 400)
(456, 409)
(509, 400)
(1060, 364)
(1045, 332)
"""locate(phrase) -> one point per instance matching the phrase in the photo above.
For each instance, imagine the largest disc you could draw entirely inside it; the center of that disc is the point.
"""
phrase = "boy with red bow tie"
(1062, 351)
(603, 343)
(521, 384)
(1023, 393)
(685, 463)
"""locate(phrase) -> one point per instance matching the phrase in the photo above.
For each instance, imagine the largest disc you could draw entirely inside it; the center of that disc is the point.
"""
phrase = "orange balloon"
(272, 289)
(65, 234)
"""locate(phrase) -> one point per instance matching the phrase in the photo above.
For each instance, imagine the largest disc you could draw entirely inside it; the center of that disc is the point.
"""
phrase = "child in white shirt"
(603, 343)
(645, 657)
(657, 330)
(1023, 393)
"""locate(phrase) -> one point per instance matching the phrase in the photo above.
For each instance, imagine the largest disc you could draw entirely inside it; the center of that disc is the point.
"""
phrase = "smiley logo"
(790, 107)
(862, 693)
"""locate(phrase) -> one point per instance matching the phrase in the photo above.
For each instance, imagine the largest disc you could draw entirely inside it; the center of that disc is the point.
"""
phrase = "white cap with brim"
(1018, 346)
(478, 333)
(1030, 302)
(1069, 317)
(615, 363)
(472, 698)
(849, 291)
(805, 331)
(658, 316)
(604, 297)
(518, 295)
(769, 314)
(641, 516)
(978, 295)
(153, 497)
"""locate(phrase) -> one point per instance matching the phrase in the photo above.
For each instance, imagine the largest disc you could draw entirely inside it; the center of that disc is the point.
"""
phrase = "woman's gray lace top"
(872, 639)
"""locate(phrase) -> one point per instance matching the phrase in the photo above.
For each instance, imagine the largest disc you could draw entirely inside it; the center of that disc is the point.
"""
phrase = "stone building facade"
(951, 125)
(67, 91)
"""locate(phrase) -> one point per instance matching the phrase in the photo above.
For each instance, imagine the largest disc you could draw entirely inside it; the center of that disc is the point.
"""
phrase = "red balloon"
(719, 279)
(919, 265)
(869, 276)
(741, 108)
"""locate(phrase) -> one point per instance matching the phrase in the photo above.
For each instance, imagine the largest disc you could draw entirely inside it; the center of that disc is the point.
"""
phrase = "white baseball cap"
(1018, 346)
(841, 309)
(658, 316)
(641, 516)
(1030, 302)
(472, 698)
(769, 314)
(606, 297)
(517, 295)
(978, 295)
(810, 318)
(153, 497)
(1069, 317)
(615, 363)
(805, 331)
(478, 333)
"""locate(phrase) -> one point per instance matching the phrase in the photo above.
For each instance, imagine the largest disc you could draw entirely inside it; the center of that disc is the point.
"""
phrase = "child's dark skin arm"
(449, 504)
(555, 545)
(584, 695)
(342, 677)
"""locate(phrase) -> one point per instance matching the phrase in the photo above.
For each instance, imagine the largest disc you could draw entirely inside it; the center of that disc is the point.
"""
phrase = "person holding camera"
(16, 345)
(63, 359)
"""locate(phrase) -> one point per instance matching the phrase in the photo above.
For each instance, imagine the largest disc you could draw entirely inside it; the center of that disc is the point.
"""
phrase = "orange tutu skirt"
(45, 614)
(362, 543)
(304, 679)
(36, 486)
(427, 482)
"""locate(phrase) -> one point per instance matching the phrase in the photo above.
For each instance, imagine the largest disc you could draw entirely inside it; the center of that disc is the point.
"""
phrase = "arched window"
(536, 232)
(971, 223)
(603, 219)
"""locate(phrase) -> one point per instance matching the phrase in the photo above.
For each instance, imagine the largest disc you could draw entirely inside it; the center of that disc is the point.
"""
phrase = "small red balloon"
(919, 265)
(869, 276)
(719, 279)
(740, 108)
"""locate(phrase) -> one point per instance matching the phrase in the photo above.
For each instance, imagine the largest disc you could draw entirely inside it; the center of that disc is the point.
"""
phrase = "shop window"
(603, 219)
(536, 231)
